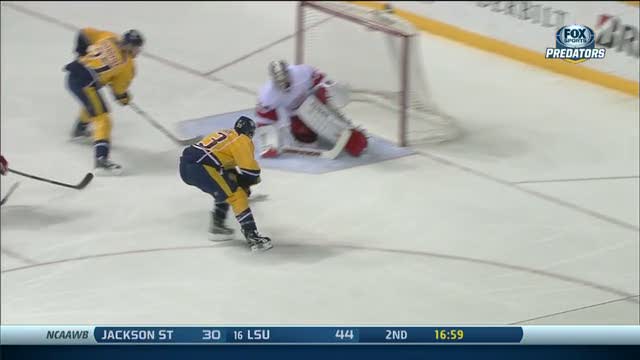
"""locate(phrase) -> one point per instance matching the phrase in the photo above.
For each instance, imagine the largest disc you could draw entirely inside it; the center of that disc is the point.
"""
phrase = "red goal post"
(377, 54)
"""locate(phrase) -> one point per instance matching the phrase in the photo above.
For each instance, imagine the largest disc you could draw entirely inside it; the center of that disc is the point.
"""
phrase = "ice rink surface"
(530, 218)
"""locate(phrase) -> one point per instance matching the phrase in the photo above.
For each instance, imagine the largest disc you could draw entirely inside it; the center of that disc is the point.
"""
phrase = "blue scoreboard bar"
(415, 335)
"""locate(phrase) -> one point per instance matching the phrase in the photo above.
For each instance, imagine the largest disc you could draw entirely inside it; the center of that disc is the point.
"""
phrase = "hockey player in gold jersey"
(104, 59)
(223, 165)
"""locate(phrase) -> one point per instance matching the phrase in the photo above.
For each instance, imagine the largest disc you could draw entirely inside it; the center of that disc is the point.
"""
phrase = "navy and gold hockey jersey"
(106, 63)
(225, 149)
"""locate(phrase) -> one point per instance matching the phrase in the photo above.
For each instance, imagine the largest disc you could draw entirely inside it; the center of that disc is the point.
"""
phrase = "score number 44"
(344, 334)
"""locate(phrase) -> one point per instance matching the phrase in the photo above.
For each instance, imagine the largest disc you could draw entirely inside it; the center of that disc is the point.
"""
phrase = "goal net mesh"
(378, 56)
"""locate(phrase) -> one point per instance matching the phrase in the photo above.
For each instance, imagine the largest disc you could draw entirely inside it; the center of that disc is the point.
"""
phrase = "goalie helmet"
(245, 125)
(279, 72)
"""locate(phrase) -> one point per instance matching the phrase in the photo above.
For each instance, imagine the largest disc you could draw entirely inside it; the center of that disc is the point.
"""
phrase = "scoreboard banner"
(319, 335)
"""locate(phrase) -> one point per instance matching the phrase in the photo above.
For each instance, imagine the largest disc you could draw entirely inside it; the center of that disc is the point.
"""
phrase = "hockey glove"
(4, 165)
(124, 99)
(82, 44)
(245, 182)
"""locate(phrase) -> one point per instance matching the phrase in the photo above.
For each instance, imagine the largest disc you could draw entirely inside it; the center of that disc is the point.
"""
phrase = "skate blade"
(261, 247)
(259, 197)
(220, 237)
(106, 172)
(81, 140)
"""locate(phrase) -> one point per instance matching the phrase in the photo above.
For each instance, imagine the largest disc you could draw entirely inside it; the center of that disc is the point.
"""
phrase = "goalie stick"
(81, 185)
(324, 154)
(166, 132)
(11, 190)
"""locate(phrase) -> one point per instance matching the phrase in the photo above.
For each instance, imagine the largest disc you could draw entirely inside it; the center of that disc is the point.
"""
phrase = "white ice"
(456, 234)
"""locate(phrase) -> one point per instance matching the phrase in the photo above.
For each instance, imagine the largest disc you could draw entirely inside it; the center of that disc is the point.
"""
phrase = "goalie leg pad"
(302, 132)
(328, 123)
(273, 138)
(357, 143)
(270, 139)
(335, 94)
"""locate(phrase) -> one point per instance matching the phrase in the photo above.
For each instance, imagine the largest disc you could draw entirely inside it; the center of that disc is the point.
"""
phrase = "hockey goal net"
(378, 55)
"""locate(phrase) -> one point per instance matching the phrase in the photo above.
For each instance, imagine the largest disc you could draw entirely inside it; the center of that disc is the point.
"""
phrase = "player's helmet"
(133, 38)
(279, 72)
(245, 125)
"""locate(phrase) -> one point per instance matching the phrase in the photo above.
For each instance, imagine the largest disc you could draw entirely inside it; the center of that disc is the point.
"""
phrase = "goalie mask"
(279, 72)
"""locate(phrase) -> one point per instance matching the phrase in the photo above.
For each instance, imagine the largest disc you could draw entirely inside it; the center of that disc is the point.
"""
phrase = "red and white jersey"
(303, 78)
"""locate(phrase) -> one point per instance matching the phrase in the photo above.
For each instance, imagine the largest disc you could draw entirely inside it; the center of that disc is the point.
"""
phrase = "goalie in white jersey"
(298, 108)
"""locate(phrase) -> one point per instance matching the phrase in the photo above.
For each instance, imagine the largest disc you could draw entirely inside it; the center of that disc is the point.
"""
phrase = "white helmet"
(279, 72)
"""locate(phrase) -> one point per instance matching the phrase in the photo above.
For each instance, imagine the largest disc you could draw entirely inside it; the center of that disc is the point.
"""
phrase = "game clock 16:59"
(449, 334)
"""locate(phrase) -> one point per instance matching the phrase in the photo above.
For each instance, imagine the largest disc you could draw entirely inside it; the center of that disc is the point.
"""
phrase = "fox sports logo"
(575, 44)
(575, 37)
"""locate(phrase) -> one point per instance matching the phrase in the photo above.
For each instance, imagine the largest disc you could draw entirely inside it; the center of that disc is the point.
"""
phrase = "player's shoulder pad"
(243, 141)
(305, 68)
(98, 35)
(90, 30)
(243, 138)
(267, 97)
(111, 35)
(304, 71)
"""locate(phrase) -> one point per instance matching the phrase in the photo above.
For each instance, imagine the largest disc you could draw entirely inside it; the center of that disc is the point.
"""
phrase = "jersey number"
(104, 52)
(213, 140)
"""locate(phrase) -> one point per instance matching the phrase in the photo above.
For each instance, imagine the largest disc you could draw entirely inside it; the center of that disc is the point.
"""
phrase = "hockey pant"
(222, 186)
(94, 109)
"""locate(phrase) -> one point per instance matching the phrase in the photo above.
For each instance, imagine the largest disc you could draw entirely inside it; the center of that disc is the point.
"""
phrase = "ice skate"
(105, 167)
(218, 231)
(81, 133)
(256, 241)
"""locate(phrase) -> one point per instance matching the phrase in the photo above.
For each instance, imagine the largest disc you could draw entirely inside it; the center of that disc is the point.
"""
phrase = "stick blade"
(87, 179)
(11, 190)
(188, 142)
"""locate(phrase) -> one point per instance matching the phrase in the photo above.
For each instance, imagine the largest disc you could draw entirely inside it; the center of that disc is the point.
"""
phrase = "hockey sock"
(220, 211)
(102, 149)
(84, 117)
(246, 220)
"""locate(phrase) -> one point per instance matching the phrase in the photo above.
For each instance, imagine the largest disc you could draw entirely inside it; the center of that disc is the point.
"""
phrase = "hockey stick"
(324, 154)
(157, 125)
(258, 198)
(11, 190)
(81, 185)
